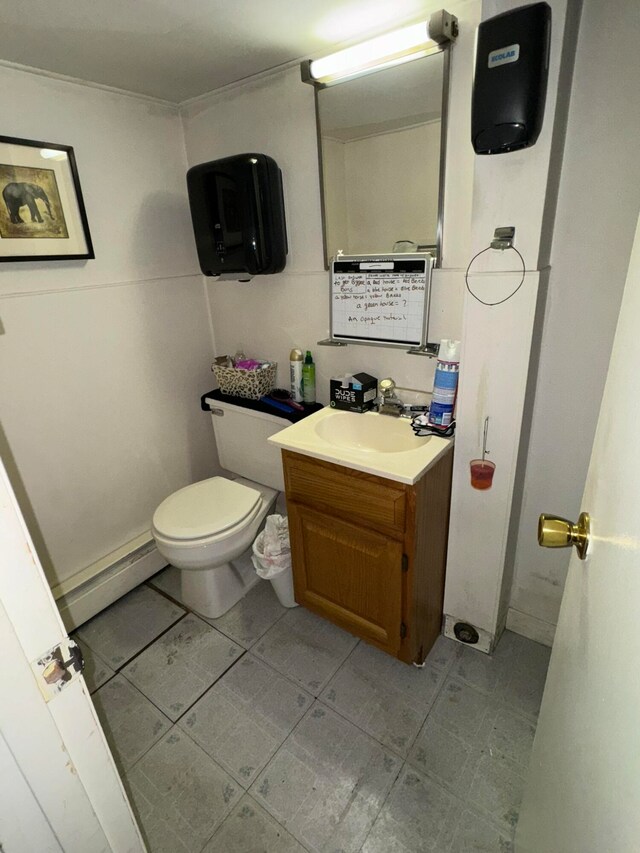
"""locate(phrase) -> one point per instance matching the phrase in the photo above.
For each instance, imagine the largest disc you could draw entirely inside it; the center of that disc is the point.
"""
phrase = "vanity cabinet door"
(349, 574)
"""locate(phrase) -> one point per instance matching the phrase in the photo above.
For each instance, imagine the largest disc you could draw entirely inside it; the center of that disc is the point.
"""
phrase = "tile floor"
(272, 731)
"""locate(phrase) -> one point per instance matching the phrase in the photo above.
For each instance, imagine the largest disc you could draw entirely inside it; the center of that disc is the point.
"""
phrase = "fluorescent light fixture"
(383, 51)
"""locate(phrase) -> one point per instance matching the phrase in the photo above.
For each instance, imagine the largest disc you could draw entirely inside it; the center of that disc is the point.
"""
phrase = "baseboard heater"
(97, 586)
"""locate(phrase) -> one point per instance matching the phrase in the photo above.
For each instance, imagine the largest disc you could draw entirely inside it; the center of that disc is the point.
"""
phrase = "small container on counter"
(309, 379)
(295, 370)
(353, 393)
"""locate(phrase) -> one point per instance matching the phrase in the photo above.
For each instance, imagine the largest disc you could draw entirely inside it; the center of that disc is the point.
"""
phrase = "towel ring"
(500, 301)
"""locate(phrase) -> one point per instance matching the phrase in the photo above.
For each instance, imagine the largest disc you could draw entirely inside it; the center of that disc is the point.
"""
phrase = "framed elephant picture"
(42, 214)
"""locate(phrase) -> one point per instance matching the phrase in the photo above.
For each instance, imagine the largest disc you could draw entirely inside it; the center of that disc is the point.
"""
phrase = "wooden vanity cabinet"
(369, 553)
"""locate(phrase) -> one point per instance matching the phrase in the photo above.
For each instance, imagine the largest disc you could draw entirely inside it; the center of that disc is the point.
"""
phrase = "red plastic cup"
(481, 473)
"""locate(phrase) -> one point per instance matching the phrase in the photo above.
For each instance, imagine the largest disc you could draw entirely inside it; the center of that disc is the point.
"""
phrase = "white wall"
(102, 362)
(597, 209)
(267, 317)
(509, 189)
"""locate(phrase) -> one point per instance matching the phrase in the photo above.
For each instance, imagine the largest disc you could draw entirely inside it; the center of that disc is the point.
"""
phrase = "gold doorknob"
(556, 532)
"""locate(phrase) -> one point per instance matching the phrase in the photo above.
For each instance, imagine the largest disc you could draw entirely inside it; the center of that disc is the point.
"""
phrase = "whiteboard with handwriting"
(379, 298)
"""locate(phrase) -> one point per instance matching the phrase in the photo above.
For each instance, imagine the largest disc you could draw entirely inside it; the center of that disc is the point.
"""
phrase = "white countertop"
(360, 442)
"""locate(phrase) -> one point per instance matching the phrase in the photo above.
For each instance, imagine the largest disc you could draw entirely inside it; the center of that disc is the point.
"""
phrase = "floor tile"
(250, 829)
(134, 621)
(95, 671)
(180, 795)
(177, 669)
(475, 834)
(523, 686)
(418, 817)
(464, 720)
(131, 723)
(496, 787)
(444, 653)
(252, 616)
(327, 782)
(169, 581)
(243, 719)
(484, 672)
(477, 748)
(444, 755)
(461, 709)
(305, 648)
(515, 673)
(512, 735)
(383, 696)
(516, 647)
(321, 778)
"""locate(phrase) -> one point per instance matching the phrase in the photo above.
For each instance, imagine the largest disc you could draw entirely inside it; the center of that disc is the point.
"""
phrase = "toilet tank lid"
(205, 508)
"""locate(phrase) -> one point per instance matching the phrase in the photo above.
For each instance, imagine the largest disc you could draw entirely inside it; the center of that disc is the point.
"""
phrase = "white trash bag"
(272, 558)
(271, 551)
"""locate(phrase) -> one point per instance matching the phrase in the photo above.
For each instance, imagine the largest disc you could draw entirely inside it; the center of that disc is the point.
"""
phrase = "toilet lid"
(205, 508)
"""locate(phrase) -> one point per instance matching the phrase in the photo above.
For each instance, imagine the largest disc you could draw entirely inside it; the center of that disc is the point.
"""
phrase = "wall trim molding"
(210, 279)
(15, 294)
(296, 273)
(197, 100)
(68, 288)
(530, 627)
(77, 81)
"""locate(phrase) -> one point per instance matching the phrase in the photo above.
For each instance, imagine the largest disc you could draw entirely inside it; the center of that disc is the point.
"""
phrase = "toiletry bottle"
(309, 379)
(445, 383)
(295, 371)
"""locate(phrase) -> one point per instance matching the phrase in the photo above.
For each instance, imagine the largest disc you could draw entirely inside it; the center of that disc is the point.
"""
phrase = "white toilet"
(200, 529)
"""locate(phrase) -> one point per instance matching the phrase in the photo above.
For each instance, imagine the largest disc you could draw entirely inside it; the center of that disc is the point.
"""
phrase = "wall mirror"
(381, 143)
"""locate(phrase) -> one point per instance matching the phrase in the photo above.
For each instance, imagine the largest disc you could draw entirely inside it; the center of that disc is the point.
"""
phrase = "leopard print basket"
(251, 384)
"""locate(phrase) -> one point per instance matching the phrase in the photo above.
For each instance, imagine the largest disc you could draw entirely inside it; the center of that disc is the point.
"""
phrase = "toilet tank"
(241, 437)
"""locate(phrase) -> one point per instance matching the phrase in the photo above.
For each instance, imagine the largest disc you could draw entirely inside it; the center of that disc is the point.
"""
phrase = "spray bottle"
(309, 379)
(445, 383)
(295, 371)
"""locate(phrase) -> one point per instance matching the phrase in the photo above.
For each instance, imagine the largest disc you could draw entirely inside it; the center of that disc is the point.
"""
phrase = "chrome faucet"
(387, 403)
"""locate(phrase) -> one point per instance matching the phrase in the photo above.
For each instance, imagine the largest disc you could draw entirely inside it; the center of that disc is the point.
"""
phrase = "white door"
(583, 791)
(59, 787)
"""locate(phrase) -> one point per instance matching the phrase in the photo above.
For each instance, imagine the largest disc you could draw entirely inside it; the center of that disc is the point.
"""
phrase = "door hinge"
(405, 563)
(403, 630)
(58, 667)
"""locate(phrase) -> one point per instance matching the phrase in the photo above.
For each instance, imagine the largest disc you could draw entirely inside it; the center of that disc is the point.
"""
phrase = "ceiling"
(179, 50)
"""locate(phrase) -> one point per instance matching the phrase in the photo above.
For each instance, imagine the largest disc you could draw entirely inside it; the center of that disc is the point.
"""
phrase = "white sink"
(370, 433)
(377, 444)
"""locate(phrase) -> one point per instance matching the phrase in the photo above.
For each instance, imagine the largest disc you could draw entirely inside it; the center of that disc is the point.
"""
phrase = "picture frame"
(42, 212)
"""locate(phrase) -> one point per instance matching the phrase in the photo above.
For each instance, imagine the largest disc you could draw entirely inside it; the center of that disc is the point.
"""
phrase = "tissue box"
(358, 395)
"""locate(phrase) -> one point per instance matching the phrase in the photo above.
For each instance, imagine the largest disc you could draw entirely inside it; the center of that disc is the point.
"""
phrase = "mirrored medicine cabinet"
(381, 139)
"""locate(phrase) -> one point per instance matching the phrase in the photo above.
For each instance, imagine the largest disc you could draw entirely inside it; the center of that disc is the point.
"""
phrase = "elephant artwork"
(42, 212)
(17, 195)
(30, 204)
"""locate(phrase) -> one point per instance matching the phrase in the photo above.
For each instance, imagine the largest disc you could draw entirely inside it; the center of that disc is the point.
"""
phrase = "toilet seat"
(207, 511)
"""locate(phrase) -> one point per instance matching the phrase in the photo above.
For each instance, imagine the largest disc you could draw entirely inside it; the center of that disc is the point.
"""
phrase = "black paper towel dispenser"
(237, 210)
(510, 82)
